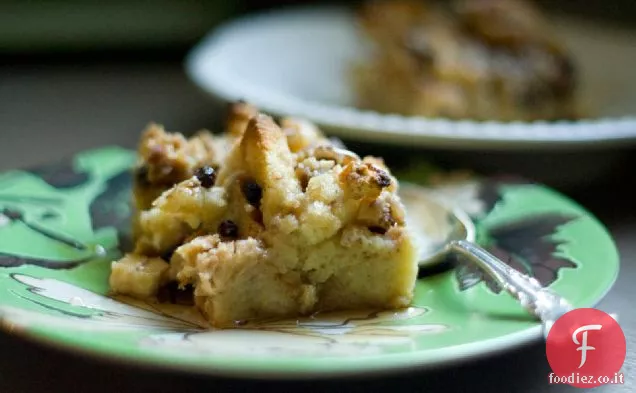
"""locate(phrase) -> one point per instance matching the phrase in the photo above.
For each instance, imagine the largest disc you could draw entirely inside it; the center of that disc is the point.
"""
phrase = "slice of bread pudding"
(266, 220)
(464, 59)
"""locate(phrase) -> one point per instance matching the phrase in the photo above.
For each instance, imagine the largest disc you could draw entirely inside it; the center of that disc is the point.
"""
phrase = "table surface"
(49, 112)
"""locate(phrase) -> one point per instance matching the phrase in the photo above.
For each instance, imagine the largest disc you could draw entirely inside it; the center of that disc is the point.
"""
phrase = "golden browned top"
(496, 22)
(239, 113)
(503, 22)
(263, 181)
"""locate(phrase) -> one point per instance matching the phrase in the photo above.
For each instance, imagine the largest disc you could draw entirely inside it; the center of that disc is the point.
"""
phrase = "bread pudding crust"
(285, 223)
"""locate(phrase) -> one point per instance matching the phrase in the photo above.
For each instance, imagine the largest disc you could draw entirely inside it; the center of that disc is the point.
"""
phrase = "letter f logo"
(583, 344)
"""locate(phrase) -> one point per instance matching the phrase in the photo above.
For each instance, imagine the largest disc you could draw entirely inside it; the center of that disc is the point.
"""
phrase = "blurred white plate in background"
(294, 62)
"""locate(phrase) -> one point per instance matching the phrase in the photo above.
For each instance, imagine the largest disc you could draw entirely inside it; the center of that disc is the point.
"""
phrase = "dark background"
(81, 74)
(64, 29)
(84, 37)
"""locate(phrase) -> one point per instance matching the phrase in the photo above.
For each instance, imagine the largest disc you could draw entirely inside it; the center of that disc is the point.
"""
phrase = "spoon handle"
(540, 301)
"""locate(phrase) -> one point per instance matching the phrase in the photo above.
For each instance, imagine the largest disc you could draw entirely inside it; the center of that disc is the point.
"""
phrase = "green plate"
(61, 226)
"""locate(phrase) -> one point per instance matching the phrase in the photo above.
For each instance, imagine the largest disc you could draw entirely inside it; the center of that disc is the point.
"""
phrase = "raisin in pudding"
(477, 59)
(269, 219)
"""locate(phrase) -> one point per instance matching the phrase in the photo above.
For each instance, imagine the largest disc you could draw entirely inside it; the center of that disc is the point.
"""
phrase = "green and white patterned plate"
(62, 225)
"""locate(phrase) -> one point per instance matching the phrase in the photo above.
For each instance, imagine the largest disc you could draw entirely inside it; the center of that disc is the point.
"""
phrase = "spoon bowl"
(441, 230)
(433, 223)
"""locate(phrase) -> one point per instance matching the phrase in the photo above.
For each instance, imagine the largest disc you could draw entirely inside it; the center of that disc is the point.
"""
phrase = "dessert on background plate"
(267, 220)
(480, 60)
(574, 72)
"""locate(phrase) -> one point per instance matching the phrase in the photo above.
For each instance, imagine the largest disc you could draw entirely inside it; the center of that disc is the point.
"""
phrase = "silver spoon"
(442, 231)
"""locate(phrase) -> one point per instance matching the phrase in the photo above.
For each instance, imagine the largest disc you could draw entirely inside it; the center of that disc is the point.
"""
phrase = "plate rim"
(470, 351)
(394, 128)
(519, 339)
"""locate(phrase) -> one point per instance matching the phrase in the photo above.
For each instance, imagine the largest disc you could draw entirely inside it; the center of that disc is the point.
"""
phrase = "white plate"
(294, 62)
